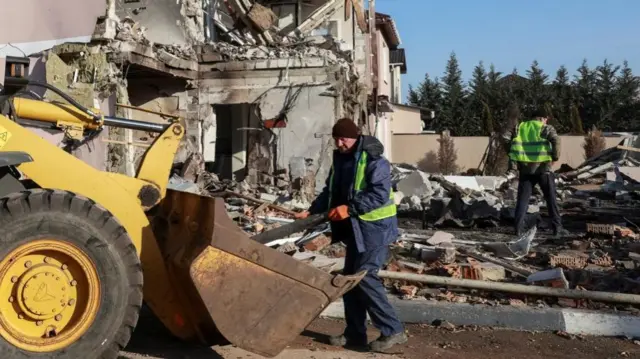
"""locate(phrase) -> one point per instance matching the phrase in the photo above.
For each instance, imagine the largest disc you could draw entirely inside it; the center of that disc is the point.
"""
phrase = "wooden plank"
(145, 110)
(627, 148)
(348, 9)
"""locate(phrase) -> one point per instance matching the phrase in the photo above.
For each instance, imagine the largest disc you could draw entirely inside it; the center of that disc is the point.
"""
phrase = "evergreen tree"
(475, 122)
(431, 94)
(453, 102)
(413, 98)
(606, 98)
(427, 95)
(627, 89)
(577, 128)
(494, 91)
(585, 85)
(537, 95)
(605, 95)
(562, 97)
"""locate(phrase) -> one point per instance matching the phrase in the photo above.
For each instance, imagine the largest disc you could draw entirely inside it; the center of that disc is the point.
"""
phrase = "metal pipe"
(134, 124)
(514, 288)
(290, 228)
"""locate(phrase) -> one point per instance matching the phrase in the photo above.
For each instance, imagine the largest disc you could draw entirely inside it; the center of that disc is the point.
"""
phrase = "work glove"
(339, 213)
(301, 215)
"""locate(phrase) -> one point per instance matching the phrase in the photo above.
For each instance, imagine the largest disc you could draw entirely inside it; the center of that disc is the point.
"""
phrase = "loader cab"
(14, 68)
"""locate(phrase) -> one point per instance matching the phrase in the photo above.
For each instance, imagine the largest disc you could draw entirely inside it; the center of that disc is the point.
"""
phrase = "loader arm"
(203, 276)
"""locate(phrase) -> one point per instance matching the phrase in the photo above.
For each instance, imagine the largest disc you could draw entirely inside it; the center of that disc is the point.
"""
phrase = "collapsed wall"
(216, 64)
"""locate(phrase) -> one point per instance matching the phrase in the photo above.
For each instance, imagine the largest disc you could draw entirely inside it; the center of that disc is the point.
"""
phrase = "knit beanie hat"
(345, 128)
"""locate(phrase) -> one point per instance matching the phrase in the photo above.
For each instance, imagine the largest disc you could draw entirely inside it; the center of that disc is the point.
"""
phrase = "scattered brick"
(569, 260)
(517, 302)
(409, 267)
(408, 291)
(317, 243)
(598, 228)
(336, 250)
(288, 248)
(483, 271)
(601, 258)
(579, 245)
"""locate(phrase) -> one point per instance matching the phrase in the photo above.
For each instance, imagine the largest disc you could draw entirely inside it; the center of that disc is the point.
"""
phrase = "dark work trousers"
(525, 187)
(369, 296)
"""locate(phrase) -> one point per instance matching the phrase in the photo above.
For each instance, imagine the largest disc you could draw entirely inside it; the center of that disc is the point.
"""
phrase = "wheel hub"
(42, 291)
(49, 295)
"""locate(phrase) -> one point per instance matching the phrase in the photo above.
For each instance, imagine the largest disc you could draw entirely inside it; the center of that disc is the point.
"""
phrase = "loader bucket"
(256, 297)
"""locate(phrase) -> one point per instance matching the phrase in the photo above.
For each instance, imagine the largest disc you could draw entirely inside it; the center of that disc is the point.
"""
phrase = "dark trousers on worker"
(546, 181)
(369, 296)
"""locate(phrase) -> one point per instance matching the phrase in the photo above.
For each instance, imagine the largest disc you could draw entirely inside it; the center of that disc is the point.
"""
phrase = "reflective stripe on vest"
(528, 146)
(387, 210)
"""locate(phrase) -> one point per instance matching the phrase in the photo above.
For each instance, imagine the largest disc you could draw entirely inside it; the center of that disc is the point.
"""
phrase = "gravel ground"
(151, 341)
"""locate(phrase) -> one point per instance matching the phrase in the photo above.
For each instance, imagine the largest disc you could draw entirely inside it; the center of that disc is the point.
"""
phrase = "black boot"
(342, 341)
(383, 343)
(560, 233)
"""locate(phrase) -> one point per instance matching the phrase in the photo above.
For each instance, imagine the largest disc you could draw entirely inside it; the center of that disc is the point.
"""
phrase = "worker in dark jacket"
(360, 202)
(535, 147)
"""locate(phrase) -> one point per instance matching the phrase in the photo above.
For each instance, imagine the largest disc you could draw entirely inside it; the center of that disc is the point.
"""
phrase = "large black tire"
(36, 214)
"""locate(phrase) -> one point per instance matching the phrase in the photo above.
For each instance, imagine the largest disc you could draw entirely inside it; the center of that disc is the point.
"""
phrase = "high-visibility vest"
(385, 211)
(528, 146)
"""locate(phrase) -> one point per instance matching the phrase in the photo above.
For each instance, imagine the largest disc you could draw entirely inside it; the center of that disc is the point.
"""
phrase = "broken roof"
(389, 30)
(397, 56)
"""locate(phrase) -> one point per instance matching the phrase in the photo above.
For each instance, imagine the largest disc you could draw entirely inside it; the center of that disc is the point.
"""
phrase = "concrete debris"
(416, 184)
(128, 30)
(262, 17)
(552, 278)
(440, 237)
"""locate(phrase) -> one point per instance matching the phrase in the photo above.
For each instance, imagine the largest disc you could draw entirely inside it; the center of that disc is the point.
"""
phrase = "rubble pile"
(461, 201)
(603, 253)
(599, 201)
(255, 207)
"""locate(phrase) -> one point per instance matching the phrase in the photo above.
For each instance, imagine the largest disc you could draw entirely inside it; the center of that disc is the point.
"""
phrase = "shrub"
(594, 143)
(447, 154)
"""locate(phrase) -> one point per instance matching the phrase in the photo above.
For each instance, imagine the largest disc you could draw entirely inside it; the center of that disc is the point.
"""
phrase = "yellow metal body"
(52, 298)
(119, 194)
(66, 117)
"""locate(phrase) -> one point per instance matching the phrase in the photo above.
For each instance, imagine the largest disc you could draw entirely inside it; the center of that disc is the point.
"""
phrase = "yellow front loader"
(80, 249)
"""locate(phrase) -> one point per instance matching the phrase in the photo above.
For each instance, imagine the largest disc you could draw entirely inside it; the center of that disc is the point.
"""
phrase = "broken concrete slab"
(467, 182)
(416, 184)
(413, 203)
(491, 183)
(174, 61)
(440, 237)
(552, 277)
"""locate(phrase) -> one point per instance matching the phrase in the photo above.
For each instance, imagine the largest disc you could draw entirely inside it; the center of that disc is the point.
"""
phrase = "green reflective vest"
(387, 210)
(528, 146)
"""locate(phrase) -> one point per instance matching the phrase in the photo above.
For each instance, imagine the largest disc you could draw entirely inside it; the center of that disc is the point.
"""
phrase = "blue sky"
(512, 33)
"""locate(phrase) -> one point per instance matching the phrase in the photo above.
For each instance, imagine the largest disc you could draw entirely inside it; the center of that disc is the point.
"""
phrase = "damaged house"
(258, 84)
